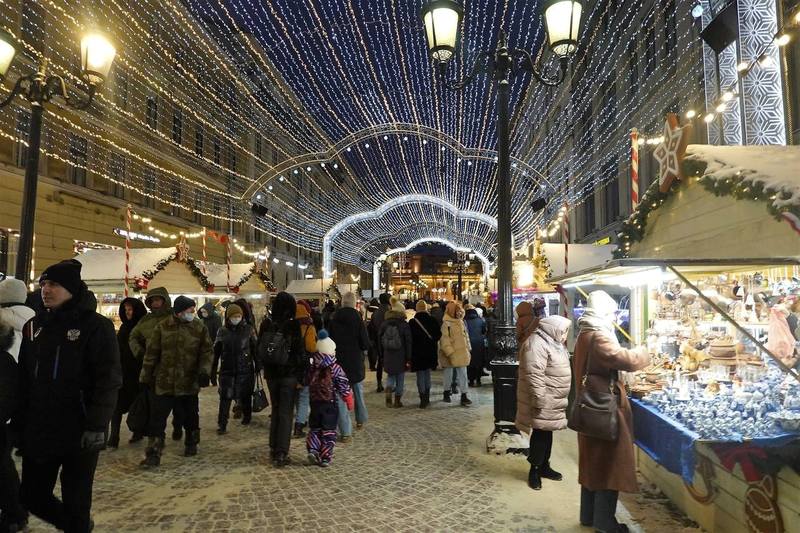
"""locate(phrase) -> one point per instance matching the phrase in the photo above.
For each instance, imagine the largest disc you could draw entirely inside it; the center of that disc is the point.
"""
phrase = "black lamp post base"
(505, 438)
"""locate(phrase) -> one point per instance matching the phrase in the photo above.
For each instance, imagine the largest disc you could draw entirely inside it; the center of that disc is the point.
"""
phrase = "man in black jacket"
(12, 516)
(374, 327)
(69, 376)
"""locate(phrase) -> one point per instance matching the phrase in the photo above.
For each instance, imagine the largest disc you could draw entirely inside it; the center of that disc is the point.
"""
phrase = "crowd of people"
(67, 379)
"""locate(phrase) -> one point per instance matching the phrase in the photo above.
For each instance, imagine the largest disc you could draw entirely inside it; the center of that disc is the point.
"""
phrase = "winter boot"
(152, 456)
(192, 440)
(380, 387)
(177, 433)
(478, 382)
(548, 473)
(446, 397)
(389, 392)
(221, 430)
(136, 437)
(237, 412)
(424, 399)
(465, 402)
(535, 478)
(298, 430)
(397, 403)
(113, 437)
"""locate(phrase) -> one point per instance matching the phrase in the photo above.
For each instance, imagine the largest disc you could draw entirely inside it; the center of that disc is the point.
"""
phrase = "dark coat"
(235, 356)
(350, 335)
(376, 321)
(297, 351)
(131, 366)
(426, 346)
(69, 376)
(394, 362)
(438, 314)
(476, 327)
(212, 320)
(9, 388)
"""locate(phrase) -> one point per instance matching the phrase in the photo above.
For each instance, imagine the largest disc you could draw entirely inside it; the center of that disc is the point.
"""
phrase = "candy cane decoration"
(128, 250)
(634, 168)
(228, 260)
(205, 257)
(565, 235)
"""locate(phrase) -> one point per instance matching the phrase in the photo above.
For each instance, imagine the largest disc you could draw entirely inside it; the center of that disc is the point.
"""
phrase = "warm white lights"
(97, 55)
(690, 114)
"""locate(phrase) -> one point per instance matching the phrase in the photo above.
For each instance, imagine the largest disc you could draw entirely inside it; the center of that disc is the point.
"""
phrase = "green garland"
(198, 273)
(741, 187)
(141, 283)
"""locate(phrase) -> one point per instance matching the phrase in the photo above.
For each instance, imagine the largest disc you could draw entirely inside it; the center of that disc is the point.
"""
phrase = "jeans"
(303, 406)
(397, 383)
(282, 397)
(161, 406)
(541, 446)
(598, 509)
(345, 423)
(460, 377)
(423, 381)
(71, 515)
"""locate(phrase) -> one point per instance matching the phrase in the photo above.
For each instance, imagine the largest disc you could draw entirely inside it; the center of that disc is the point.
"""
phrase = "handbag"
(260, 401)
(595, 412)
(139, 413)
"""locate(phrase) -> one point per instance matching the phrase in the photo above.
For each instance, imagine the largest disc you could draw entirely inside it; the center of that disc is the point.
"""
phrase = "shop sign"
(135, 236)
(601, 242)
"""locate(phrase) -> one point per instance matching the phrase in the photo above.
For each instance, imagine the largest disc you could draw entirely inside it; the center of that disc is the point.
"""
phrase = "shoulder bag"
(423, 328)
(595, 412)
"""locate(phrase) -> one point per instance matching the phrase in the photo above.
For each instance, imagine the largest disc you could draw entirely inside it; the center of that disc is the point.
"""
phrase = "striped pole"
(565, 237)
(228, 260)
(128, 250)
(205, 256)
(634, 168)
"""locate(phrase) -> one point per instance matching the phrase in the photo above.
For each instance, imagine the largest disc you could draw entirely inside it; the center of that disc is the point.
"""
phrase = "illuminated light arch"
(327, 258)
(398, 128)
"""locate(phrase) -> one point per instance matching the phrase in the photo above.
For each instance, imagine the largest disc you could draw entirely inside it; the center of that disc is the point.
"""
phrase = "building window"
(198, 140)
(611, 191)
(77, 160)
(671, 30)
(232, 157)
(633, 68)
(588, 214)
(216, 211)
(33, 28)
(116, 171)
(216, 150)
(274, 155)
(22, 131)
(149, 188)
(650, 67)
(152, 112)
(175, 199)
(120, 87)
(198, 202)
(177, 126)
(257, 148)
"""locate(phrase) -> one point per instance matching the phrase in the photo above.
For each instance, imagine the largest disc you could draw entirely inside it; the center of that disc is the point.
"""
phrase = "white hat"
(325, 344)
(13, 291)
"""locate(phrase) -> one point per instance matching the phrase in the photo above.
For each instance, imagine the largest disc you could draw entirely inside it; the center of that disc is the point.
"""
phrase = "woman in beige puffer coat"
(542, 389)
(454, 351)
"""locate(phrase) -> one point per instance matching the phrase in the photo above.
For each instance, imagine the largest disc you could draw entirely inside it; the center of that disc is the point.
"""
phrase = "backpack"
(391, 339)
(321, 385)
(273, 349)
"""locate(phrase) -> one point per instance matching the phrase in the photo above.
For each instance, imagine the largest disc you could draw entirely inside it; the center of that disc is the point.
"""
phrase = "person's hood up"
(209, 308)
(158, 291)
(526, 320)
(139, 310)
(284, 307)
(392, 313)
(599, 313)
(452, 309)
(555, 327)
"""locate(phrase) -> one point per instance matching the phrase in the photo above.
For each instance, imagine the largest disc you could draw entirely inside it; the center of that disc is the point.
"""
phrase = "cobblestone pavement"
(407, 470)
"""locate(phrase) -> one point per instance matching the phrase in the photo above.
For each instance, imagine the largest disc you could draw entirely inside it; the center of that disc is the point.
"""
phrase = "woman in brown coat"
(544, 381)
(605, 467)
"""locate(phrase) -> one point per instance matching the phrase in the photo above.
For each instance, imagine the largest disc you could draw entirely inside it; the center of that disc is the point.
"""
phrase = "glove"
(93, 441)
(213, 379)
(348, 401)
(203, 380)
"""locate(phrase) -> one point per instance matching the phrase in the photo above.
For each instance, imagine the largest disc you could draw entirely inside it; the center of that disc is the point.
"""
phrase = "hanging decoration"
(671, 151)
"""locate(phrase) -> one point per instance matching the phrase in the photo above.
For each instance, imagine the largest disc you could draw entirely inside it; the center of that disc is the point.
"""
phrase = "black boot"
(136, 437)
(424, 400)
(535, 478)
(192, 440)
(298, 430)
(446, 398)
(177, 433)
(113, 437)
(465, 402)
(152, 456)
(549, 473)
(221, 430)
(380, 387)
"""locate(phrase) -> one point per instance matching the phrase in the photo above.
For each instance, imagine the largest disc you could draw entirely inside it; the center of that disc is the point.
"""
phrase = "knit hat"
(349, 300)
(397, 305)
(234, 310)
(66, 273)
(13, 291)
(182, 303)
(422, 305)
(325, 344)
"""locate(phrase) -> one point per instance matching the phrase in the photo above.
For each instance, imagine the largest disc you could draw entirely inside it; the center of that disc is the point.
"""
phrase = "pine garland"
(141, 283)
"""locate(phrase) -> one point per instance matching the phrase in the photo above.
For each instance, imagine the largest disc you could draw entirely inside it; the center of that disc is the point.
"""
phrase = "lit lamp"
(442, 19)
(97, 56)
(562, 20)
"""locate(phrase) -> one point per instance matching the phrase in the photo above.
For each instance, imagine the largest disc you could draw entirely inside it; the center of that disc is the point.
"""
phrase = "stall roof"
(316, 286)
(218, 274)
(619, 267)
(100, 265)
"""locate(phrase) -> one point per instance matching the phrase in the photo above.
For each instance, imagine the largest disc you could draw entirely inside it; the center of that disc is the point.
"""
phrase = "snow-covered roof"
(110, 264)
(344, 288)
(777, 168)
(581, 256)
(218, 274)
(302, 287)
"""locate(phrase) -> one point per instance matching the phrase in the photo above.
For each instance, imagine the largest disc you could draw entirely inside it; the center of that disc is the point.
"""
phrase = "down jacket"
(454, 346)
(235, 360)
(545, 377)
(16, 316)
(394, 361)
(178, 353)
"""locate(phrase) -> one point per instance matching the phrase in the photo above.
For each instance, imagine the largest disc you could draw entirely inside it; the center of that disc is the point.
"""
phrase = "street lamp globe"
(97, 54)
(450, 263)
(8, 49)
(563, 22)
(442, 19)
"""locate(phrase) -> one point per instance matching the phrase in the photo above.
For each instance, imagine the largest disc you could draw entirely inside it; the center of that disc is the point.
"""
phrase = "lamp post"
(460, 265)
(442, 20)
(97, 55)
(385, 271)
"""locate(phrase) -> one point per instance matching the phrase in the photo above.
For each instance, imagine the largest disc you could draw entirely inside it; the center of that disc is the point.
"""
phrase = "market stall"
(315, 291)
(710, 267)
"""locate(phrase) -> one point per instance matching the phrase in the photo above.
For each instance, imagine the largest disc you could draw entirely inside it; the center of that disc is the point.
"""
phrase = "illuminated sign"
(135, 236)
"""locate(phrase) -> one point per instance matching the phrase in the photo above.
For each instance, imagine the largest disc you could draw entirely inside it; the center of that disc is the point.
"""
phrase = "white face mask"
(187, 317)
(236, 320)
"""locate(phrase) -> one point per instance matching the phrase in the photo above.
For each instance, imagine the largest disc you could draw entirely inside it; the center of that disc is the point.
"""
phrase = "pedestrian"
(544, 381)
(283, 352)
(13, 516)
(69, 376)
(160, 306)
(13, 310)
(372, 352)
(349, 333)
(308, 331)
(327, 383)
(605, 468)
(476, 328)
(425, 335)
(131, 311)
(176, 366)
(437, 313)
(235, 364)
(454, 351)
(395, 346)
(212, 321)
(375, 327)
